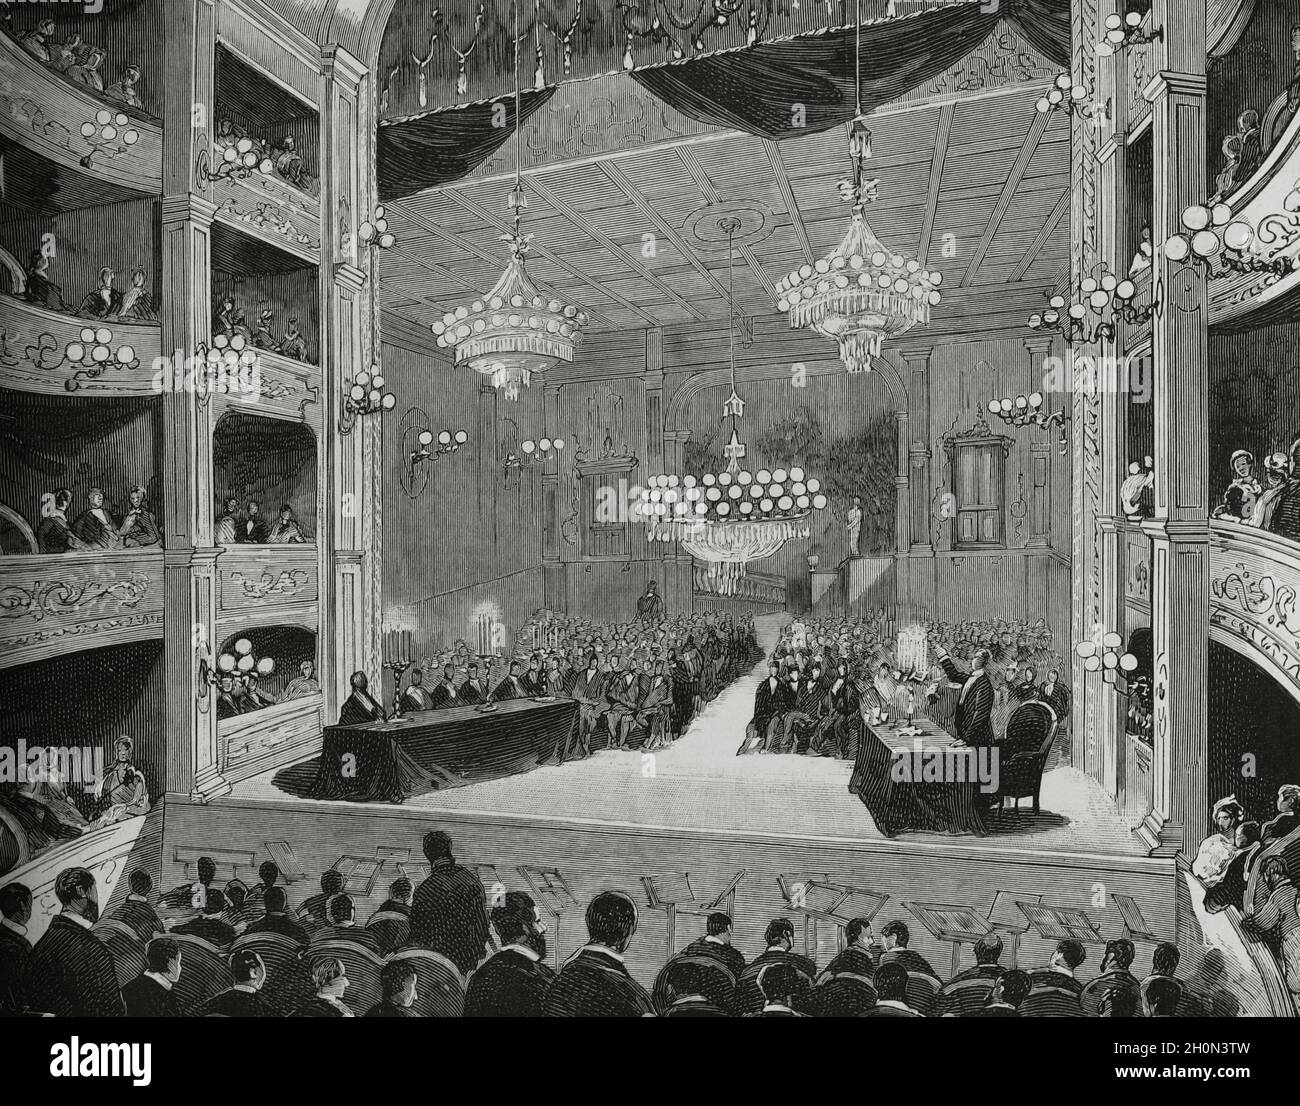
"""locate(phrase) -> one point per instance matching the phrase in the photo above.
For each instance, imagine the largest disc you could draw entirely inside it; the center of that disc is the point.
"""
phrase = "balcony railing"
(43, 111)
(59, 603)
(268, 208)
(261, 585)
(253, 742)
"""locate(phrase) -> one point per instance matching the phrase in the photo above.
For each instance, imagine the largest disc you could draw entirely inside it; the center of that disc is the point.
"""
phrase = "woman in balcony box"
(55, 534)
(287, 530)
(1243, 493)
(85, 70)
(1286, 512)
(40, 289)
(1217, 850)
(1275, 473)
(122, 790)
(96, 526)
(136, 302)
(139, 528)
(103, 301)
(1277, 921)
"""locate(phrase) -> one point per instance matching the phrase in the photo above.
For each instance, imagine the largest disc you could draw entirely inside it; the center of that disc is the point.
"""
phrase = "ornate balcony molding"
(60, 603)
(252, 743)
(282, 389)
(261, 585)
(265, 207)
(44, 112)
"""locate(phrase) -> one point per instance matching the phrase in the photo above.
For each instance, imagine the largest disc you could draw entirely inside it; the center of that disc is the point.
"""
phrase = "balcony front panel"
(39, 348)
(43, 111)
(279, 388)
(252, 743)
(264, 585)
(60, 603)
(265, 207)
(1255, 598)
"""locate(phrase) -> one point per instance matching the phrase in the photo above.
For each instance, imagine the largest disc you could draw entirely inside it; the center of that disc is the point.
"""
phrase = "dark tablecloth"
(436, 749)
(897, 806)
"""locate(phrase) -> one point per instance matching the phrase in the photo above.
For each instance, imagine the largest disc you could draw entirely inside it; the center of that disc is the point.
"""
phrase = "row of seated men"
(429, 951)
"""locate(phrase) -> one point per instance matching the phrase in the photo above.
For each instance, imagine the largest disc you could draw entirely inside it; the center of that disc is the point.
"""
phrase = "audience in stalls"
(1055, 990)
(70, 972)
(243, 999)
(449, 910)
(778, 940)
(1010, 990)
(210, 924)
(267, 874)
(970, 991)
(81, 62)
(515, 981)
(890, 982)
(685, 983)
(97, 527)
(716, 944)
(342, 925)
(398, 980)
(391, 923)
(150, 994)
(780, 984)
(314, 912)
(329, 977)
(136, 911)
(1114, 978)
(277, 919)
(594, 982)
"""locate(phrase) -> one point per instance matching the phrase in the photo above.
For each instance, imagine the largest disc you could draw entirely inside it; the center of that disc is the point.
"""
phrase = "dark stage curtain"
(442, 146)
(754, 89)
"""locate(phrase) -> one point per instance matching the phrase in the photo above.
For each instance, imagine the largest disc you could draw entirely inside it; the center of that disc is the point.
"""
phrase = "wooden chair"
(361, 965)
(718, 984)
(439, 986)
(288, 984)
(1031, 730)
(125, 946)
(205, 973)
(922, 991)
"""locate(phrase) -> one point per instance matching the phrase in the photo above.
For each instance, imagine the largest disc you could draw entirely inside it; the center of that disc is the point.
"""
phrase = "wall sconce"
(1071, 98)
(1211, 230)
(94, 352)
(447, 443)
(1106, 657)
(239, 162)
(366, 396)
(534, 453)
(1105, 296)
(106, 129)
(375, 233)
(241, 666)
(1028, 411)
(1125, 31)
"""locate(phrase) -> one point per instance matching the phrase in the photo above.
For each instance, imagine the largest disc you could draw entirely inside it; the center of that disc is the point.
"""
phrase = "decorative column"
(902, 488)
(554, 590)
(1180, 530)
(194, 756)
(917, 363)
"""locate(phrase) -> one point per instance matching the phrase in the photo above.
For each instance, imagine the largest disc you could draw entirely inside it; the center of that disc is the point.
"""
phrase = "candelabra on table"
(399, 648)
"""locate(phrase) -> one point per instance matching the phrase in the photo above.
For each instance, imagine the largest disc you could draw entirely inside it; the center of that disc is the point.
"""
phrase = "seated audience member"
(686, 984)
(514, 982)
(70, 971)
(969, 991)
(263, 333)
(1056, 695)
(1009, 992)
(139, 529)
(512, 687)
(594, 982)
(121, 792)
(293, 344)
(622, 695)
(771, 701)
(15, 948)
(103, 301)
(417, 696)
(1276, 471)
(1288, 814)
(475, 689)
(229, 702)
(588, 689)
(1164, 965)
(123, 88)
(1055, 991)
(779, 983)
(96, 526)
(227, 531)
(840, 729)
(55, 534)
(252, 529)
(330, 978)
(894, 938)
(1285, 520)
(856, 956)
(237, 913)
(1231, 888)
(136, 302)
(286, 530)
(1161, 998)
(891, 993)
(304, 684)
(779, 941)
(277, 919)
(136, 911)
(1241, 495)
(267, 873)
(391, 923)
(150, 994)
(39, 41)
(38, 288)
(716, 944)
(64, 55)
(445, 695)
(449, 911)
(85, 70)
(250, 695)
(193, 895)
(554, 683)
(1217, 850)
(397, 981)
(210, 925)
(1118, 1004)
(400, 892)
(244, 999)
(1276, 921)
(533, 679)
(1114, 976)
(360, 707)
(314, 912)
(343, 925)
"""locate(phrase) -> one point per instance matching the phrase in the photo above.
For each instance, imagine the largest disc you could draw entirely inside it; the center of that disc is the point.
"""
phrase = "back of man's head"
(717, 924)
(393, 977)
(891, 982)
(437, 846)
(16, 901)
(1161, 996)
(268, 872)
(244, 964)
(274, 900)
(1165, 959)
(988, 949)
(611, 920)
(214, 902)
(515, 917)
(1014, 986)
(400, 890)
(898, 931)
(779, 931)
(160, 952)
(1120, 952)
(341, 909)
(141, 882)
(331, 882)
(778, 982)
(854, 930)
(1072, 953)
(685, 978)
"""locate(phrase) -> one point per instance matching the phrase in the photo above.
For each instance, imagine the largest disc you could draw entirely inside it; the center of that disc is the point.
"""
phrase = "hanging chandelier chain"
(519, 176)
(857, 55)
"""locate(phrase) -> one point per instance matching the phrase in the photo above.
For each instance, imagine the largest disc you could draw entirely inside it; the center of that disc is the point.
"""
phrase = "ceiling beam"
(782, 176)
(579, 220)
(1037, 128)
(1045, 232)
(712, 196)
(942, 134)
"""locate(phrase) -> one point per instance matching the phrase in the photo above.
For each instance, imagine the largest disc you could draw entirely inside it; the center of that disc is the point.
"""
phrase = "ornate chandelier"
(513, 331)
(729, 518)
(861, 292)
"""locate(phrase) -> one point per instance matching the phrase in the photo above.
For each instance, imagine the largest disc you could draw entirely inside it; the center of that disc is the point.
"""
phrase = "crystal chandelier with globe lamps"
(861, 293)
(514, 331)
(727, 519)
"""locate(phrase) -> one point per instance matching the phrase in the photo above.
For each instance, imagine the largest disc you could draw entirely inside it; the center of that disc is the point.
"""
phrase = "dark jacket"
(388, 1010)
(15, 951)
(360, 707)
(727, 955)
(593, 984)
(70, 974)
(449, 915)
(509, 985)
(213, 930)
(237, 1004)
(1285, 823)
(967, 992)
(974, 718)
(281, 923)
(147, 998)
(354, 933)
(1052, 994)
(318, 1008)
(141, 917)
(749, 999)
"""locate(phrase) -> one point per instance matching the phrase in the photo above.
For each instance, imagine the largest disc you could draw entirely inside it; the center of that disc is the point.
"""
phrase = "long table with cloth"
(436, 749)
(944, 805)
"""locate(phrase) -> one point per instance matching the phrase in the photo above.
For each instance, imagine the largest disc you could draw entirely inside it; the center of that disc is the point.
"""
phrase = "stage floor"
(700, 784)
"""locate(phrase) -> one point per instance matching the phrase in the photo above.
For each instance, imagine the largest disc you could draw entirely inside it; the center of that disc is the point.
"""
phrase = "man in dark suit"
(594, 982)
(343, 925)
(15, 948)
(891, 993)
(96, 526)
(588, 690)
(1286, 510)
(686, 985)
(512, 687)
(449, 913)
(1055, 991)
(969, 991)
(255, 901)
(136, 911)
(974, 721)
(779, 983)
(654, 711)
(514, 982)
(716, 944)
(445, 694)
(1056, 695)
(314, 912)
(767, 700)
(417, 696)
(475, 689)
(1164, 966)
(1115, 976)
(252, 528)
(360, 707)
(150, 994)
(397, 982)
(399, 899)
(840, 729)
(533, 679)
(70, 971)
(1009, 991)
(855, 959)
(277, 918)
(622, 697)
(1161, 998)
(209, 925)
(779, 941)
(895, 937)
(809, 706)
(244, 999)
(1288, 814)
